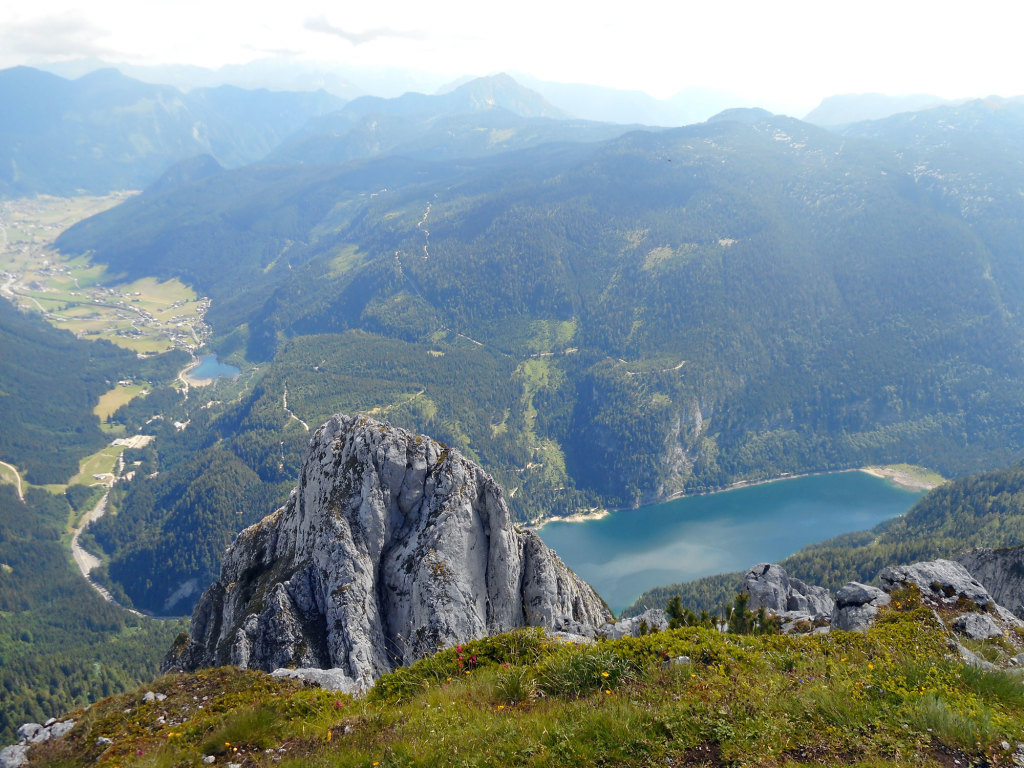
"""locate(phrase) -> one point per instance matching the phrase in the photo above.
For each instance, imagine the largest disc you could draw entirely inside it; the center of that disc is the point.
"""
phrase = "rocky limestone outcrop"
(857, 605)
(947, 585)
(28, 734)
(977, 626)
(943, 580)
(771, 588)
(391, 547)
(1001, 572)
(651, 620)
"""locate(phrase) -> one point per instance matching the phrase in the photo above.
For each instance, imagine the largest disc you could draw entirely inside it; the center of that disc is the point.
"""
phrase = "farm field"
(146, 316)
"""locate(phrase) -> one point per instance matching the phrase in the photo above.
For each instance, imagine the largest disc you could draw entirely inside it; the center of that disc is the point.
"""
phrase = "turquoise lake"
(210, 368)
(630, 551)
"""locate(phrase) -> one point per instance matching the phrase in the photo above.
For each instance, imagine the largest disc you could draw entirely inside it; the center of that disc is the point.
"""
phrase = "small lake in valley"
(630, 551)
(210, 368)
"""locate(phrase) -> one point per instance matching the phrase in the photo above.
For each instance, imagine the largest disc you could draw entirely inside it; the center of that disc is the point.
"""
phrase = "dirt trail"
(87, 561)
(284, 401)
(14, 469)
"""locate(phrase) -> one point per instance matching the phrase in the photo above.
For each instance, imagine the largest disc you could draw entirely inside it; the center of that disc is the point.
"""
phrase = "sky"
(782, 55)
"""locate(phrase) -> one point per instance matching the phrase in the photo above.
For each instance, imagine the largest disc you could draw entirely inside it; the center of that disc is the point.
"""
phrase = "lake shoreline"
(194, 381)
(624, 555)
(186, 375)
(897, 475)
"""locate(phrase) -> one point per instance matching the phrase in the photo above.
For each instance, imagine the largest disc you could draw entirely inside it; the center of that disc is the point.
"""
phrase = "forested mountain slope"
(50, 383)
(61, 645)
(664, 312)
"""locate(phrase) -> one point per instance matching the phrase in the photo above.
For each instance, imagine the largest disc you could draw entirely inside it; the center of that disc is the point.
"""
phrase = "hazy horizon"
(783, 60)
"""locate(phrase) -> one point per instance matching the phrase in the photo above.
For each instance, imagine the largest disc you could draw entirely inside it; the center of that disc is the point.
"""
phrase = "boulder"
(770, 587)
(945, 581)
(857, 605)
(391, 547)
(976, 626)
(329, 679)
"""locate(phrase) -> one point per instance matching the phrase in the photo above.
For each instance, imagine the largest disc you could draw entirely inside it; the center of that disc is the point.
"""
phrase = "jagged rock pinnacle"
(391, 547)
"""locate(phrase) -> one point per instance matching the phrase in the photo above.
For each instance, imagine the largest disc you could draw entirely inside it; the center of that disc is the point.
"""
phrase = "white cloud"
(321, 24)
(775, 53)
(65, 36)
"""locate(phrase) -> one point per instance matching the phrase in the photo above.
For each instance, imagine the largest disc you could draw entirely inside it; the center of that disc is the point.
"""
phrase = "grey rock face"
(943, 580)
(770, 587)
(651, 620)
(1001, 572)
(60, 730)
(14, 756)
(329, 679)
(971, 658)
(976, 626)
(32, 733)
(857, 605)
(391, 547)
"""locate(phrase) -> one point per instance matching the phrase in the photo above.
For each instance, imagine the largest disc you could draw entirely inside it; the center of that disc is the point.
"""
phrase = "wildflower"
(329, 735)
(448, 679)
(870, 665)
(606, 690)
(337, 704)
(604, 674)
(458, 649)
(227, 743)
(501, 706)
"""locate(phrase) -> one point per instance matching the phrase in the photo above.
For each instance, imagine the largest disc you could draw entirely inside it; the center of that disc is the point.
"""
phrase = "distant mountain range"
(581, 101)
(105, 131)
(860, 107)
(485, 116)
